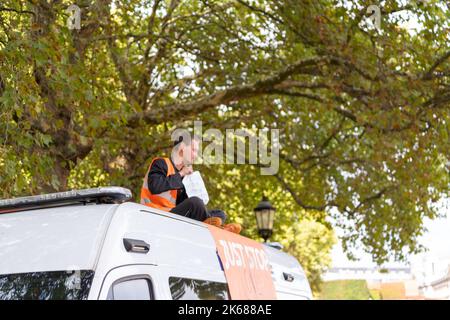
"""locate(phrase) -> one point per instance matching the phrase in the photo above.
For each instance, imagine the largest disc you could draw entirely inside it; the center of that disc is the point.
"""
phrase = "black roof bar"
(96, 195)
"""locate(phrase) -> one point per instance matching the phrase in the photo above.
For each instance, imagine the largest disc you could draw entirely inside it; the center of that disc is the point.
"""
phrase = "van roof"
(83, 237)
(70, 237)
(63, 238)
(84, 196)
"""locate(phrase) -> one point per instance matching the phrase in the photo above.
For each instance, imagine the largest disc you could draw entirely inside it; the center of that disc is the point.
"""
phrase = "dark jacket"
(158, 181)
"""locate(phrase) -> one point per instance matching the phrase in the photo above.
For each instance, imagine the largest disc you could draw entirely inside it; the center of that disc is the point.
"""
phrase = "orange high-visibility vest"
(163, 201)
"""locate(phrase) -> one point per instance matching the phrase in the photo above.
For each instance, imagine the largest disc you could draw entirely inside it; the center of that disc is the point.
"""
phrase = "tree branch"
(226, 96)
(429, 73)
(17, 11)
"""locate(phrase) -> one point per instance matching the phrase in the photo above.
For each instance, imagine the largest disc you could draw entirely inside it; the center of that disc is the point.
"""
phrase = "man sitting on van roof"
(163, 187)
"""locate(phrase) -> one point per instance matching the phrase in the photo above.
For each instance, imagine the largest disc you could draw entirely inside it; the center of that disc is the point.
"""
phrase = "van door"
(132, 282)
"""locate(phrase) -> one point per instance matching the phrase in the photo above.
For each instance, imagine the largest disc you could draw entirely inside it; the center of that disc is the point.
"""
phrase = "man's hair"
(183, 138)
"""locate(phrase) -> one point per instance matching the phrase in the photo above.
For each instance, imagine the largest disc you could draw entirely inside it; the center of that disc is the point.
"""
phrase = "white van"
(93, 244)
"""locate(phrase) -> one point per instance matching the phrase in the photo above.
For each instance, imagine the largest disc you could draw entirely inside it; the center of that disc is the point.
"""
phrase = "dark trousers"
(194, 208)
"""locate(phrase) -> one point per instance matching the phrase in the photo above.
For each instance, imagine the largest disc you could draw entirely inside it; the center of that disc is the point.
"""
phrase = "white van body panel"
(284, 263)
(90, 237)
(55, 239)
(176, 243)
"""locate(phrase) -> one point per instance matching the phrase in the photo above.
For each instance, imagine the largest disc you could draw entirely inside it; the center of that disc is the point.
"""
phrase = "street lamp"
(264, 213)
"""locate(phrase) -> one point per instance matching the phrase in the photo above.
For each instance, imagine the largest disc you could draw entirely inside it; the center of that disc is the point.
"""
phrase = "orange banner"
(246, 266)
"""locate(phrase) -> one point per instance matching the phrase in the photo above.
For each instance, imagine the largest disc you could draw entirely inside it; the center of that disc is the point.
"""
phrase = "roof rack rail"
(95, 195)
(275, 245)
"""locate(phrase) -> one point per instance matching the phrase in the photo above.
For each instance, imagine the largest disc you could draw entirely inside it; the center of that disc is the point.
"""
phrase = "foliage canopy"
(363, 114)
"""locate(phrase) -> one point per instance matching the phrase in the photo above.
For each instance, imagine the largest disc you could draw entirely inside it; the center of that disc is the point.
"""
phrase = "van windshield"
(52, 285)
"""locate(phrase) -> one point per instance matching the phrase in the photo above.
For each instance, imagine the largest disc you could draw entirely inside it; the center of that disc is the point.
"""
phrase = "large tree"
(363, 112)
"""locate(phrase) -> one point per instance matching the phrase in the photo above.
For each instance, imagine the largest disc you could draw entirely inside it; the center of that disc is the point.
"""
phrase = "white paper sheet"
(195, 187)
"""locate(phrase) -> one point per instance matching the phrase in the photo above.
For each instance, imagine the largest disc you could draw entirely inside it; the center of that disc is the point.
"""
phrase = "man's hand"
(186, 170)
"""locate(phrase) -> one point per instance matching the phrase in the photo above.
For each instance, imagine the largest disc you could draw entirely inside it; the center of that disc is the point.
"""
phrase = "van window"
(190, 289)
(131, 289)
(51, 285)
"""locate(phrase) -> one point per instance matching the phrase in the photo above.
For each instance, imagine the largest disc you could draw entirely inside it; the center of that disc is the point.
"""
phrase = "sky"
(436, 240)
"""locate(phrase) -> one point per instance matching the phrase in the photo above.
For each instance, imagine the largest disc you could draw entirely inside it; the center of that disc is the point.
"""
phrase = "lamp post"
(265, 214)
